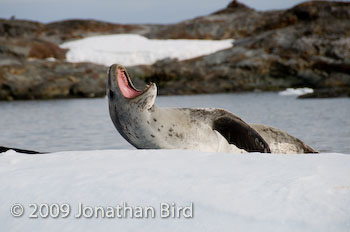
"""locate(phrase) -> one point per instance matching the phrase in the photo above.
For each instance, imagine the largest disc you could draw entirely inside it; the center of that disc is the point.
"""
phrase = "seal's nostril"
(109, 81)
(110, 94)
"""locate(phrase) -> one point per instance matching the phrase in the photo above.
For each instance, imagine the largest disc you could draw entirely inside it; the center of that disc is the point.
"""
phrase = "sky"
(129, 11)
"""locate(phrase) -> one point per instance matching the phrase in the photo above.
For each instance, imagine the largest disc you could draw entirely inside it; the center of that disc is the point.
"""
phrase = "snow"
(130, 49)
(295, 91)
(254, 192)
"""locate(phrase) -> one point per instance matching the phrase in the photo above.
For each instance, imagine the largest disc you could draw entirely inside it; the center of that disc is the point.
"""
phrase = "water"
(84, 124)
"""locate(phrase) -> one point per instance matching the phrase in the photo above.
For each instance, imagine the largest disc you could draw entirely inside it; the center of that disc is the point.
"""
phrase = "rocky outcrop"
(32, 65)
(61, 31)
(44, 49)
(77, 29)
(20, 28)
(306, 46)
(235, 21)
(38, 79)
(239, 21)
(21, 48)
(327, 93)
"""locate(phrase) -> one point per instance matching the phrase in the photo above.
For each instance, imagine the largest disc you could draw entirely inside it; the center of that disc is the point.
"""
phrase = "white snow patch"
(253, 192)
(295, 91)
(130, 49)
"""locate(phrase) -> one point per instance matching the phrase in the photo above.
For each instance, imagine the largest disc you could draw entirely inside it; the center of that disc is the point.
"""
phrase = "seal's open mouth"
(125, 85)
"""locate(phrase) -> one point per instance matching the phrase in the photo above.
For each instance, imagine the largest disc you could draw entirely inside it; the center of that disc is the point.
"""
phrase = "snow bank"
(295, 91)
(129, 49)
(255, 192)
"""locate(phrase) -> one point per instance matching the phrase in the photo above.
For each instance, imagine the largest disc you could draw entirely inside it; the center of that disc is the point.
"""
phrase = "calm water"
(84, 124)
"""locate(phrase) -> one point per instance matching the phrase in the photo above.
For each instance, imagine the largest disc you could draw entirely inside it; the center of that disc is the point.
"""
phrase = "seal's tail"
(4, 149)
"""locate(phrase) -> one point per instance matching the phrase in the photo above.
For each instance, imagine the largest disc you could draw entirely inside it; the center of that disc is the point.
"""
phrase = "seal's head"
(122, 93)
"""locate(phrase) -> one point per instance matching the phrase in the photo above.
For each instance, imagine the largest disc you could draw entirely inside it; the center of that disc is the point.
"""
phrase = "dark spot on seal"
(152, 136)
(162, 126)
(171, 129)
(170, 135)
(154, 119)
(173, 125)
(158, 129)
(147, 122)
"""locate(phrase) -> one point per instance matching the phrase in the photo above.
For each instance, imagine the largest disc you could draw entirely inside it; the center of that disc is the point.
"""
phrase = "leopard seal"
(146, 126)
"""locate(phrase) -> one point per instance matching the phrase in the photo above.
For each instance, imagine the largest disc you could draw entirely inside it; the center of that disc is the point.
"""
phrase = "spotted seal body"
(147, 126)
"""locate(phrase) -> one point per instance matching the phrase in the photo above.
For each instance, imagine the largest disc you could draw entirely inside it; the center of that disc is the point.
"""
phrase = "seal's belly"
(176, 129)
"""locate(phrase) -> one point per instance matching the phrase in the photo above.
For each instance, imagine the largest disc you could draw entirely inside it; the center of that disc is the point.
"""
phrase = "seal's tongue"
(124, 86)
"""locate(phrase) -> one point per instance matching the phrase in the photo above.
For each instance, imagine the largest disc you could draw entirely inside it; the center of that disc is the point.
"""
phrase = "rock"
(327, 93)
(45, 49)
(76, 29)
(61, 31)
(38, 79)
(305, 46)
(32, 64)
(22, 48)
(20, 28)
(231, 22)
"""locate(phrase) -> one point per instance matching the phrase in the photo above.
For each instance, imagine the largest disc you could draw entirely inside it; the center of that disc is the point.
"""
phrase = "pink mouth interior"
(124, 86)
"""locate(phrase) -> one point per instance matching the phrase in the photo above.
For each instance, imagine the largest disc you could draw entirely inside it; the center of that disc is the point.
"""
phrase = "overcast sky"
(127, 11)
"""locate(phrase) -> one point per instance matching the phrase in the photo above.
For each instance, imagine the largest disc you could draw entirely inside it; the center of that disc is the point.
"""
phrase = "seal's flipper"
(4, 149)
(240, 134)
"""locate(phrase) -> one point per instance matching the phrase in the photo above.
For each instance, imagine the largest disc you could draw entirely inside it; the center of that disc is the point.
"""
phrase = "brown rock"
(46, 80)
(76, 29)
(20, 28)
(306, 46)
(61, 31)
(327, 93)
(44, 49)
